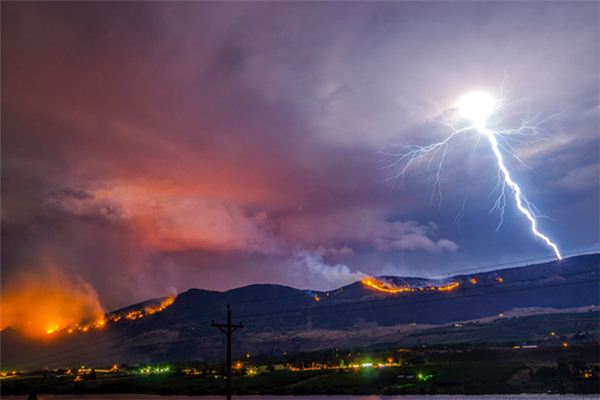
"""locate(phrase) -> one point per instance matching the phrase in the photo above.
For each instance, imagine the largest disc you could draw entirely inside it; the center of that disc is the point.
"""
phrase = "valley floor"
(444, 370)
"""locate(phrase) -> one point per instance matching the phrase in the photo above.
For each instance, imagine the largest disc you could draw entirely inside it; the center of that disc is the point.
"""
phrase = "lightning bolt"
(524, 206)
(478, 109)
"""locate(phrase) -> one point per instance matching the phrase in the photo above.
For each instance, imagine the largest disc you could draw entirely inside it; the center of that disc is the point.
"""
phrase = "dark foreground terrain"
(458, 369)
(533, 329)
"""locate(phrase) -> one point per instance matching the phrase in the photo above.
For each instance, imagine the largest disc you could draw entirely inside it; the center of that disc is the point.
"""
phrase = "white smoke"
(311, 271)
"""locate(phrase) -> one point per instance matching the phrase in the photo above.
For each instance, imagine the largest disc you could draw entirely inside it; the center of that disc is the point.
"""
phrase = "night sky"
(151, 147)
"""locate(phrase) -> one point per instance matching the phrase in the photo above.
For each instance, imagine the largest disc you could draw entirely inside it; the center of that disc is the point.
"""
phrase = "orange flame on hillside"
(383, 286)
(379, 285)
(130, 315)
(448, 287)
(45, 302)
(147, 310)
(49, 302)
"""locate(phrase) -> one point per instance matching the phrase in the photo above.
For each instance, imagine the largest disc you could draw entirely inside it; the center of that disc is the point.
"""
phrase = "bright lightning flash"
(477, 107)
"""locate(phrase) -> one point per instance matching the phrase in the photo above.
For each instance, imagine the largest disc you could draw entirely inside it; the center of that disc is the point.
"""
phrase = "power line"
(449, 298)
(448, 274)
(304, 292)
(228, 329)
(373, 304)
(518, 264)
(319, 309)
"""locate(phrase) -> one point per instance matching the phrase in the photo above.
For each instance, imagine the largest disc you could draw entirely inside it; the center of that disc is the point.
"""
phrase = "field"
(449, 370)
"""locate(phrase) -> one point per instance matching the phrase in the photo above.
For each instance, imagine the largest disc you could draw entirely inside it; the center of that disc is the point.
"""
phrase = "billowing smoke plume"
(311, 271)
(47, 300)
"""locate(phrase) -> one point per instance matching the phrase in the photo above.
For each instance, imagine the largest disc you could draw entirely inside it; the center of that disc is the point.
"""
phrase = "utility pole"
(228, 329)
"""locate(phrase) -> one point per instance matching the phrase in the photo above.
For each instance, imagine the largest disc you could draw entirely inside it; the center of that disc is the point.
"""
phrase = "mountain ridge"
(280, 318)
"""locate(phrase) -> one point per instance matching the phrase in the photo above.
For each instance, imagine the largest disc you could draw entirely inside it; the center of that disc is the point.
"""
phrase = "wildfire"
(386, 287)
(448, 288)
(101, 322)
(45, 302)
(147, 310)
(97, 323)
(379, 285)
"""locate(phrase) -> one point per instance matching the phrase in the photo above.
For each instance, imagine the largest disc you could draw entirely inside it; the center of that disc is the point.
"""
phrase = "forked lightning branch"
(476, 107)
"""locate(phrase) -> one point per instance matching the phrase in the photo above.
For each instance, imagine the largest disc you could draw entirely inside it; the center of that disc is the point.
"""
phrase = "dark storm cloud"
(152, 146)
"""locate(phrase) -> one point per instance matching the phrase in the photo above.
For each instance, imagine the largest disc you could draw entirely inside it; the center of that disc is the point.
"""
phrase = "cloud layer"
(152, 146)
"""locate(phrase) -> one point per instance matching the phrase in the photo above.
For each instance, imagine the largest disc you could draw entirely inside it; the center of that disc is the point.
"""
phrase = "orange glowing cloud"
(170, 222)
(40, 303)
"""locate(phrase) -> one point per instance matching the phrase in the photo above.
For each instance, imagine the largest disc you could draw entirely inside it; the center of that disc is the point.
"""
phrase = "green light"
(421, 377)
(157, 369)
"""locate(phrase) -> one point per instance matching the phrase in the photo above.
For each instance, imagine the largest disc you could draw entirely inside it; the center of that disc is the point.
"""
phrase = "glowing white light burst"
(477, 107)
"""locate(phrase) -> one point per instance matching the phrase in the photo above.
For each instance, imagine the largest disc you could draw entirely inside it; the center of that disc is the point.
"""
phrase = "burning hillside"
(49, 302)
(384, 286)
(288, 319)
(115, 317)
(379, 285)
(37, 304)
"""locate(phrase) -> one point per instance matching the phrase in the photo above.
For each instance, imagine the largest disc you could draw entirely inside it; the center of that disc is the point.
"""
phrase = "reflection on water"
(372, 397)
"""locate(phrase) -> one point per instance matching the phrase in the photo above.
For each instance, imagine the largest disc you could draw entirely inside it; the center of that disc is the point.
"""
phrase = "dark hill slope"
(279, 317)
(559, 284)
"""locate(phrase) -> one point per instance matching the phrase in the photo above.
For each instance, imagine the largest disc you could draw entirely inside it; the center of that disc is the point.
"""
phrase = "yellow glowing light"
(52, 329)
(102, 322)
(476, 106)
(382, 286)
(388, 287)
(449, 287)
